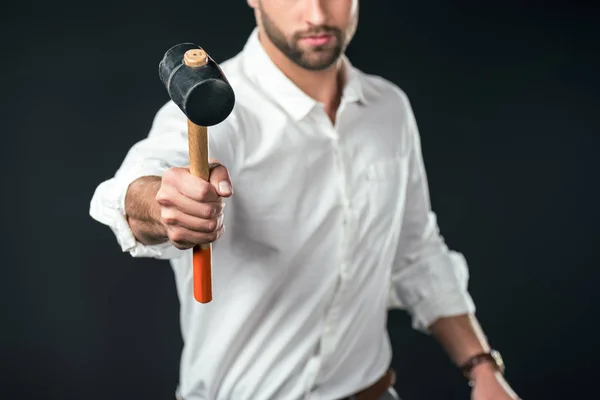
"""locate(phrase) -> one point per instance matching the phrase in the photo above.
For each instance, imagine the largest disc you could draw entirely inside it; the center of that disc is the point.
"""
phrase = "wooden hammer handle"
(202, 255)
(199, 166)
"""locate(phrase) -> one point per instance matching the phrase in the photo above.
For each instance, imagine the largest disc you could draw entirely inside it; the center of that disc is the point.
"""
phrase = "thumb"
(219, 178)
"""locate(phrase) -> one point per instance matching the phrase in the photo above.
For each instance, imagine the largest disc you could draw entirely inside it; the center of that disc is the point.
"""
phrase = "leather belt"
(377, 389)
(373, 392)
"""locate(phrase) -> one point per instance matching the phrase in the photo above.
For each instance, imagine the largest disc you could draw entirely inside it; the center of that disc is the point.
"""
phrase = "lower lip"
(316, 40)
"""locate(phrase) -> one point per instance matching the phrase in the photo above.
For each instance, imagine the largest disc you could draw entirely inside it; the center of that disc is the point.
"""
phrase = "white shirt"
(329, 226)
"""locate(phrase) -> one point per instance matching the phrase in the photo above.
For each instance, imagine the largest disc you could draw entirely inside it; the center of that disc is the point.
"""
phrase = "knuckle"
(169, 216)
(206, 212)
(177, 236)
(211, 225)
(181, 246)
(213, 236)
(204, 190)
(162, 196)
(219, 232)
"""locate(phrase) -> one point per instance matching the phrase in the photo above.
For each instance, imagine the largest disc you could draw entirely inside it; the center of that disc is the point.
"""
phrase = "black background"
(506, 97)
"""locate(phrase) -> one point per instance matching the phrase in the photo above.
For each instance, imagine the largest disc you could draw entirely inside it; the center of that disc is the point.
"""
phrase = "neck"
(324, 86)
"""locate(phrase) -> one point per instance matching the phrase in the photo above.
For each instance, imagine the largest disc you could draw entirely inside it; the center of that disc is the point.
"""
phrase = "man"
(328, 224)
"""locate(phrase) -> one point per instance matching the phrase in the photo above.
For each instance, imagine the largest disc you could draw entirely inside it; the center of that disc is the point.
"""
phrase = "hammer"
(196, 83)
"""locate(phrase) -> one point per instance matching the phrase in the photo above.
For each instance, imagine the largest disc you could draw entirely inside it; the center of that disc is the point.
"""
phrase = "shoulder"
(389, 102)
(388, 97)
(379, 89)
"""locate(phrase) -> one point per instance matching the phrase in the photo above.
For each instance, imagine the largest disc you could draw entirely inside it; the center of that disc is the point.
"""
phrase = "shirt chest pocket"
(380, 186)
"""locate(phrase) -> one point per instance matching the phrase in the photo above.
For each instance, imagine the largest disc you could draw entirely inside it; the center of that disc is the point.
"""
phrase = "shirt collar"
(278, 86)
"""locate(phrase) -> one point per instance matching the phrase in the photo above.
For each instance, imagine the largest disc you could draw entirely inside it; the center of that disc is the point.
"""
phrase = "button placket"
(332, 317)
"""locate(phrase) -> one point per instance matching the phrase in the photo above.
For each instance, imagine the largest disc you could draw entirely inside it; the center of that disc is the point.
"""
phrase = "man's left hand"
(489, 384)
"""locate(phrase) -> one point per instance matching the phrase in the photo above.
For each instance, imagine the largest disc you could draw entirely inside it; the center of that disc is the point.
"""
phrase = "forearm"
(143, 212)
(461, 336)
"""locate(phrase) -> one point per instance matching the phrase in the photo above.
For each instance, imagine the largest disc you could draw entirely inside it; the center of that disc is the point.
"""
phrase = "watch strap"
(477, 359)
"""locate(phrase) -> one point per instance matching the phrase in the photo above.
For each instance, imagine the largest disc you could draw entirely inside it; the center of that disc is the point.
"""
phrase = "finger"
(219, 178)
(196, 188)
(182, 245)
(183, 237)
(189, 185)
(174, 219)
(171, 198)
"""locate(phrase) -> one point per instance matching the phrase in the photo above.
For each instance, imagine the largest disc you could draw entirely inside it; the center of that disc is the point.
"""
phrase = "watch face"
(498, 359)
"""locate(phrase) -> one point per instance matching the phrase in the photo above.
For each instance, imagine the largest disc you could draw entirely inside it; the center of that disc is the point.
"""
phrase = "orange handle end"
(202, 257)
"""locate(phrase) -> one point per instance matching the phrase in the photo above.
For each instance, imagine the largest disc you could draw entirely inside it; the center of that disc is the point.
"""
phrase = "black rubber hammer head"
(196, 83)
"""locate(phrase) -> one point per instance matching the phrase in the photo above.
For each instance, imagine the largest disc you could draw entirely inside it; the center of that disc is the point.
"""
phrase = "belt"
(373, 392)
(377, 389)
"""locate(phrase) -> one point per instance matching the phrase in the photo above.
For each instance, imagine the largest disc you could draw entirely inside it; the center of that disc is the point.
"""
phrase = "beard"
(314, 58)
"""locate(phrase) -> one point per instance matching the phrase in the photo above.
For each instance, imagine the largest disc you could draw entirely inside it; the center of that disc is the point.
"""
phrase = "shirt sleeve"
(165, 146)
(428, 279)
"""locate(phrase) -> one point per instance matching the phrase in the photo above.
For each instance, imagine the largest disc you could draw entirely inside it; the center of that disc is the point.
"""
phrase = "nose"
(315, 15)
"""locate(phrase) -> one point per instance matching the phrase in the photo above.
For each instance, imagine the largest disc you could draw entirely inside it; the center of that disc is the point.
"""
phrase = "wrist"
(142, 211)
(482, 372)
(482, 366)
(148, 232)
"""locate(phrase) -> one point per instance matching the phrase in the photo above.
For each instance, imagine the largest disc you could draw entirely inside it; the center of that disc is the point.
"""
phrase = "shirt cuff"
(108, 207)
(432, 288)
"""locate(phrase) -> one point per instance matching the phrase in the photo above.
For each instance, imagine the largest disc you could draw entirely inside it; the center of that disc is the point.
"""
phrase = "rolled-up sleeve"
(428, 279)
(165, 146)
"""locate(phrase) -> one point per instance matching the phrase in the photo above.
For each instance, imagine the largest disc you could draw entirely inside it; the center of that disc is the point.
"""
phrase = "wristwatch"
(493, 357)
